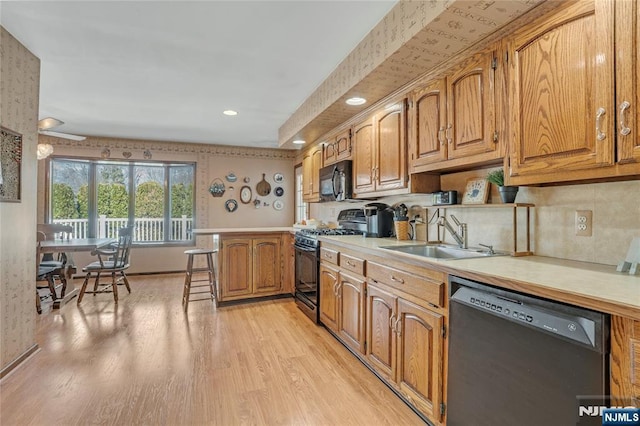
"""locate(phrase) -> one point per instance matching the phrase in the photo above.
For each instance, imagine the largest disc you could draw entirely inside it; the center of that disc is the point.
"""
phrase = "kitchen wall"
(19, 94)
(212, 161)
(615, 206)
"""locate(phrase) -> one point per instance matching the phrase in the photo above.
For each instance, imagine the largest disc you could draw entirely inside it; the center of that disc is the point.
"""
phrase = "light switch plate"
(584, 221)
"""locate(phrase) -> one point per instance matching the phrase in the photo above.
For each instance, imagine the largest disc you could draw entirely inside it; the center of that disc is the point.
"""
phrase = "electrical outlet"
(584, 223)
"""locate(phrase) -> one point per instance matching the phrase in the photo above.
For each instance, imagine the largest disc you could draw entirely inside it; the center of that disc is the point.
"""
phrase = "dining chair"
(60, 262)
(113, 260)
(47, 274)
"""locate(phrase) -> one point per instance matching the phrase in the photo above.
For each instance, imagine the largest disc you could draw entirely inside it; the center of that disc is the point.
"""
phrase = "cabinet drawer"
(328, 255)
(352, 264)
(429, 287)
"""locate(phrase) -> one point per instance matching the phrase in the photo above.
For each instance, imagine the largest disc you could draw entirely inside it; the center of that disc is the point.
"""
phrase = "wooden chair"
(44, 273)
(52, 231)
(114, 260)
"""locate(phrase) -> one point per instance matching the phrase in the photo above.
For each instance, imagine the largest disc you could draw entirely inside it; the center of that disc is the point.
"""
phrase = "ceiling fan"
(46, 124)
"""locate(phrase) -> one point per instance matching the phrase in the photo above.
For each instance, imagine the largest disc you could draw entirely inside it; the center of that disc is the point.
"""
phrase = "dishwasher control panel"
(575, 328)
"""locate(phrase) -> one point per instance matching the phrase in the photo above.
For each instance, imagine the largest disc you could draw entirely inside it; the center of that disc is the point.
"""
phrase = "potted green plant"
(507, 193)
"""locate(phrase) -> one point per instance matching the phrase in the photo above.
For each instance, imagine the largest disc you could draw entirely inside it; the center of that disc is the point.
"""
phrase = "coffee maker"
(379, 220)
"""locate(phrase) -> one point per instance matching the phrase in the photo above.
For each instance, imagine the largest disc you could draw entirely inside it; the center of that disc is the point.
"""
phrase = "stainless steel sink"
(441, 251)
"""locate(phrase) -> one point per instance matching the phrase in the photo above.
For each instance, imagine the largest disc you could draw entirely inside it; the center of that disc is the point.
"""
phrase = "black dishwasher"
(519, 360)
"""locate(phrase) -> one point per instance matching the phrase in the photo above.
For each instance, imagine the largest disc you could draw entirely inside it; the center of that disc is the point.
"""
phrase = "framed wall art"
(476, 191)
(10, 166)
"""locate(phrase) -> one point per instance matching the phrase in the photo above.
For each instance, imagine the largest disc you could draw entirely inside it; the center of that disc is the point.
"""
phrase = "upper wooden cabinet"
(562, 97)
(380, 156)
(311, 165)
(338, 148)
(627, 39)
(453, 120)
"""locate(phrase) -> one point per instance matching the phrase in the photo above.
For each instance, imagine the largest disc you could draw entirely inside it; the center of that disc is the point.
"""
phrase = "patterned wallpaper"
(19, 93)
(414, 37)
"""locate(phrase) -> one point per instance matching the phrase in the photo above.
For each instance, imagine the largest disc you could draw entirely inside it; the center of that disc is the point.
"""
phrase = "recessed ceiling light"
(356, 101)
(230, 112)
(299, 142)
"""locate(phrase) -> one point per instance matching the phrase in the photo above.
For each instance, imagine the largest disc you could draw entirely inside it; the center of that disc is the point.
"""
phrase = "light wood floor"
(145, 362)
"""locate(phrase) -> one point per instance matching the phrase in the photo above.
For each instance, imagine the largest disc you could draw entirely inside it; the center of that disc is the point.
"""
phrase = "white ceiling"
(165, 70)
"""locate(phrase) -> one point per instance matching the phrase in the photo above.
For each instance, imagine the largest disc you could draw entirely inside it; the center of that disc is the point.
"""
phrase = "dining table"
(69, 246)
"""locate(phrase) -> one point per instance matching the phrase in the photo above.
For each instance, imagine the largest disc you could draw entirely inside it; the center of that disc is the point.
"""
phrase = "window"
(301, 206)
(99, 197)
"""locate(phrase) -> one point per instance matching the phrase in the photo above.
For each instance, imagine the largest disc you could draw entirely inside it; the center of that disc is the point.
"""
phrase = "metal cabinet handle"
(327, 255)
(397, 327)
(448, 133)
(398, 280)
(391, 323)
(599, 133)
(350, 263)
(335, 289)
(441, 136)
(624, 130)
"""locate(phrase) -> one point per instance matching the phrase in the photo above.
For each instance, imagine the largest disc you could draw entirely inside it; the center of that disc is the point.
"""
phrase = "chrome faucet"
(461, 235)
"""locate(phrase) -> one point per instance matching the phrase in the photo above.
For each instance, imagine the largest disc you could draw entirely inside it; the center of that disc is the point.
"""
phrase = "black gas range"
(307, 248)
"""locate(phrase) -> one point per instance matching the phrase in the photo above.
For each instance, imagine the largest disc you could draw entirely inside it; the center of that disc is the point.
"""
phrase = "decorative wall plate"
(231, 205)
(278, 205)
(278, 178)
(278, 191)
(245, 194)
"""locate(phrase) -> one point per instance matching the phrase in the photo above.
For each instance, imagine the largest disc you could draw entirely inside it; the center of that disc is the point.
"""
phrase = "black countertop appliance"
(379, 218)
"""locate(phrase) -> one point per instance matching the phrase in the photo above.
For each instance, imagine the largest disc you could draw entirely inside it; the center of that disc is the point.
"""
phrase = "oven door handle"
(305, 249)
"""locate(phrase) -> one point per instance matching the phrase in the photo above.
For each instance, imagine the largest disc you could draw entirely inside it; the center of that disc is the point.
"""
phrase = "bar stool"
(188, 279)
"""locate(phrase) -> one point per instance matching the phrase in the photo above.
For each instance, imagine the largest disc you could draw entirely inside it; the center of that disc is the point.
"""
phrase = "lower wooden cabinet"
(351, 291)
(251, 267)
(404, 345)
(625, 362)
(328, 284)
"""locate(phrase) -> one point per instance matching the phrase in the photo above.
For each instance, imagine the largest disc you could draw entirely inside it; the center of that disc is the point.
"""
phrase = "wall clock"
(476, 191)
(245, 194)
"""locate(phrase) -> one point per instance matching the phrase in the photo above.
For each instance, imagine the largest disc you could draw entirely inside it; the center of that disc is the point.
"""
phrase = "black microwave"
(335, 182)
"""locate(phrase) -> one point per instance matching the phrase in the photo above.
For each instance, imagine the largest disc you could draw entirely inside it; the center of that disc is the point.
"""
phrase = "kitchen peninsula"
(252, 262)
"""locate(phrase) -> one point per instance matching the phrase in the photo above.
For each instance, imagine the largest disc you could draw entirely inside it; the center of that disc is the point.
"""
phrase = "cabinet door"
(307, 173)
(316, 165)
(428, 123)
(289, 263)
(330, 155)
(561, 88)
(328, 295)
(471, 119)
(364, 157)
(237, 267)
(627, 86)
(391, 148)
(352, 307)
(419, 365)
(343, 145)
(381, 343)
(266, 265)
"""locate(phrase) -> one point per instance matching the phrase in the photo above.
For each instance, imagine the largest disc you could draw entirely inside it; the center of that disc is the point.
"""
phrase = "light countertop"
(590, 285)
(212, 231)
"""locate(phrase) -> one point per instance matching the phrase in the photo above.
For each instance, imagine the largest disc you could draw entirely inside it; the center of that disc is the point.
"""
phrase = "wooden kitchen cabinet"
(328, 294)
(351, 306)
(380, 151)
(380, 156)
(338, 148)
(311, 165)
(625, 362)
(564, 94)
(405, 346)
(627, 47)
(251, 267)
(454, 118)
